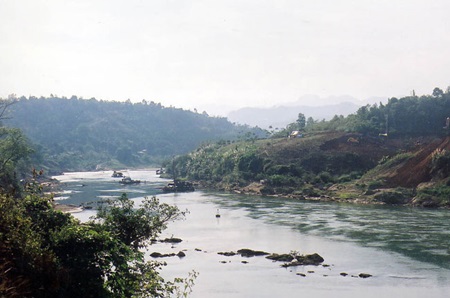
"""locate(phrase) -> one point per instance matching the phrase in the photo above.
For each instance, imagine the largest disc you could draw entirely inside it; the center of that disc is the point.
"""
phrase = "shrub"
(374, 185)
(391, 197)
(440, 163)
(282, 180)
(326, 177)
(440, 194)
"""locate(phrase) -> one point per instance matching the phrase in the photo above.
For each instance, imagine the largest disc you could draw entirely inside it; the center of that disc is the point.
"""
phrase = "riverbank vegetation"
(47, 253)
(395, 153)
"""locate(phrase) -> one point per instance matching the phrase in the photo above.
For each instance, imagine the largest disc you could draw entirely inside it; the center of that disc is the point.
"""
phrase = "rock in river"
(245, 252)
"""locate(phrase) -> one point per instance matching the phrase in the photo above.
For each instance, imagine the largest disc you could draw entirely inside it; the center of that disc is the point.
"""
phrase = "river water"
(406, 250)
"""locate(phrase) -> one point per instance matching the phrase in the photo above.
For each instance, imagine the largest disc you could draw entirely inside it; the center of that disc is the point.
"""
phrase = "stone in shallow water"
(314, 259)
(227, 253)
(245, 252)
(172, 240)
(281, 257)
(160, 255)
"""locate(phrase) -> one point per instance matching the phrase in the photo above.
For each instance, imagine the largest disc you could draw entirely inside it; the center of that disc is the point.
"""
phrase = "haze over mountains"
(310, 105)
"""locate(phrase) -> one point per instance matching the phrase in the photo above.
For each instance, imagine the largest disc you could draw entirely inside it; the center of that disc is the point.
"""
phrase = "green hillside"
(396, 153)
(79, 134)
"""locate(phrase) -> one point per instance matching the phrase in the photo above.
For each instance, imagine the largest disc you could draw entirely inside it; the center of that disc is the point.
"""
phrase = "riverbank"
(68, 208)
(52, 187)
(338, 193)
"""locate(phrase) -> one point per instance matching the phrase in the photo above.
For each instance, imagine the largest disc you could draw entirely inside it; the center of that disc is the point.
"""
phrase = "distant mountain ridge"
(279, 117)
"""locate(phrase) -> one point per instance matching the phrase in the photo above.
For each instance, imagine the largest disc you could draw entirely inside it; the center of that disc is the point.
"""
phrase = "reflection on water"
(407, 250)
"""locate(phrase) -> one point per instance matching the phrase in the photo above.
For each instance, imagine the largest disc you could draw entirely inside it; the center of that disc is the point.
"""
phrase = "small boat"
(159, 171)
(179, 186)
(128, 180)
(117, 174)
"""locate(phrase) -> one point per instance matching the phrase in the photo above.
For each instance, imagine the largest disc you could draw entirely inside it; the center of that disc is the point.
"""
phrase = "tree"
(437, 92)
(5, 104)
(301, 121)
(310, 122)
(45, 253)
(135, 226)
(14, 148)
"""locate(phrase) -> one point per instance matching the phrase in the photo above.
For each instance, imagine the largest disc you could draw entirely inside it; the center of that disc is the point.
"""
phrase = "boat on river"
(128, 180)
(116, 174)
(179, 186)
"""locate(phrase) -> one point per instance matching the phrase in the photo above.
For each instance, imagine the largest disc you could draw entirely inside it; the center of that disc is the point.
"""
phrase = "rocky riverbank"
(339, 193)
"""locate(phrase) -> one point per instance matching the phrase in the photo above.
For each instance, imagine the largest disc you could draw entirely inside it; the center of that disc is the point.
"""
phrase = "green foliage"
(325, 177)
(304, 166)
(14, 153)
(79, 134)
(440, 163)
(435, 196)
(349, 177)
(301, 121)
(282, 180)
(45, 253)
(250, 164)
(411, 116)
(374, 184)
(391, 197)
(387, 163)
(408, 116)
(136, 226)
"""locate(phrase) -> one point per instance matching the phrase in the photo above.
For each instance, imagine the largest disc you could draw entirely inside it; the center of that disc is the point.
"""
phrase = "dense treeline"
(80, 134)
(408, 116)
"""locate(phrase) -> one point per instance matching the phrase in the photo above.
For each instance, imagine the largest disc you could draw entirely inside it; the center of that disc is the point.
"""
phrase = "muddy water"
(405, 250)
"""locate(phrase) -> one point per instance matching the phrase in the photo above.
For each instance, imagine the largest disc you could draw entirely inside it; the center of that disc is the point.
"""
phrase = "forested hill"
(398, 153)
(82, 134)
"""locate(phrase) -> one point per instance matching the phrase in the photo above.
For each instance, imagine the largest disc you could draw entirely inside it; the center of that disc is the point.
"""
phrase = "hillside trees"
(408, 116)
(82, 134)
(283, 165)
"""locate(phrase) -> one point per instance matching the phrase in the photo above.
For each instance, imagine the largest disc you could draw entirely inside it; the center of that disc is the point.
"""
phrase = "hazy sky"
(223, 52)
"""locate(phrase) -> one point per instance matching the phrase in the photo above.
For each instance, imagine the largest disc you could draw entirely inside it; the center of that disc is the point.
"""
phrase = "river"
(406, 250)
